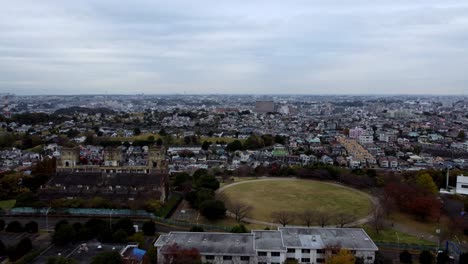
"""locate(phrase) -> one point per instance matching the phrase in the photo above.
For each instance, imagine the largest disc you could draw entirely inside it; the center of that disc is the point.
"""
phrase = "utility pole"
(447, 180)
(47, 219)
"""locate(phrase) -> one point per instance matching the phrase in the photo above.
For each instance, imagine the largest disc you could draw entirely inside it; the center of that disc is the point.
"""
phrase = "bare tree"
(307, 217)
(323, 218)
(282, 217)
(387, 203)
(377, 221)
(343, 219)
(239, 210)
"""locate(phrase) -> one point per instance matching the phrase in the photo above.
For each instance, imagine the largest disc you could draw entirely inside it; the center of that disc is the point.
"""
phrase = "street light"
(110, 219)
(398, 241)
(47, 219)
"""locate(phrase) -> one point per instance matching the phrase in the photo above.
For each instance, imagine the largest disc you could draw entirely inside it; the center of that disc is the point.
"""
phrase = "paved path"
(361, 221)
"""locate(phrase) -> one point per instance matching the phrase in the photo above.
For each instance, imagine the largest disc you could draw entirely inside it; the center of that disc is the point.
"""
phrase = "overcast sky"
(306, 47)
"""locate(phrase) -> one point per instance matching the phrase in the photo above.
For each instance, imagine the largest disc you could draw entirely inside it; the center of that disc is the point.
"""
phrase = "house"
(306, 245)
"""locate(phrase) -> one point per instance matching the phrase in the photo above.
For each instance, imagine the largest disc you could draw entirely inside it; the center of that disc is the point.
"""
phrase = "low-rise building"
(306, 245)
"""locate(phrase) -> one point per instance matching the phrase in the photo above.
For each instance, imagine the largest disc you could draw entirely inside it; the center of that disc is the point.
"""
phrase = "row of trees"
(17, 251)
(17, 227)
(200, 193)
(120, 231)
(254, 142)
(310, 218)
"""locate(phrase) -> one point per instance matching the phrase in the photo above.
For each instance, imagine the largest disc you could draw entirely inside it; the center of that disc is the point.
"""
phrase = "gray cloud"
(316, 47)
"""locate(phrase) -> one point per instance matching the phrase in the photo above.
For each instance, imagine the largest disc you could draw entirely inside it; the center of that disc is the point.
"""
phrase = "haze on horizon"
(247, 47)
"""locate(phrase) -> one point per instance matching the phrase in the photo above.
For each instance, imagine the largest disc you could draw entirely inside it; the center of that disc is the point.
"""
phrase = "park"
(266, 196)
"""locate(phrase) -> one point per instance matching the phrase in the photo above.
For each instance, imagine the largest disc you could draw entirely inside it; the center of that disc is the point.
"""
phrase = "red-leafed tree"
(412, 199)
(425, 207)
(175, 254)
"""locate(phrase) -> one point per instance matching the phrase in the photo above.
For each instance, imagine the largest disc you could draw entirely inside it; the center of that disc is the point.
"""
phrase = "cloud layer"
(307, 47)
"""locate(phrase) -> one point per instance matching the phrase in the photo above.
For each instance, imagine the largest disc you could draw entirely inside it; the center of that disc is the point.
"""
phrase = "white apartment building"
(462, 185)
(307, 245)
(365, 139)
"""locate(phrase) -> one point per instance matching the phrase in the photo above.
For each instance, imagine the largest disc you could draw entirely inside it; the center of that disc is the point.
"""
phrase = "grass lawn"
(297, 195)
(230, 222)
(7, 204)
(389, 235)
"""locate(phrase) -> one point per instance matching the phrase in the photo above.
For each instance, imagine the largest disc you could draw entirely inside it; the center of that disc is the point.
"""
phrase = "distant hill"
(89, 111)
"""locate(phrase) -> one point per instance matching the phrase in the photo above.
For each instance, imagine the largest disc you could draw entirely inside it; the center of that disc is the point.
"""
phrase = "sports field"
(267, 196)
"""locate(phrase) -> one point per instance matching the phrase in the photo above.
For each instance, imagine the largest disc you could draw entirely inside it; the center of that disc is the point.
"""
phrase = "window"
(320, 251)
(320, 260)
(262, 253)
(291, 250)
(370, 258)
(227, 257)
(290, 259)
(305, 259)
(209, 257)
(305, 250)
(275, 254)
(245, 258)
(262, 263)
(464, 186)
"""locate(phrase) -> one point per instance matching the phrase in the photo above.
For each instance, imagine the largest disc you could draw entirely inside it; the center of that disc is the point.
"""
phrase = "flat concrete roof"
(318, 238)
(209, 243)
(268, 240)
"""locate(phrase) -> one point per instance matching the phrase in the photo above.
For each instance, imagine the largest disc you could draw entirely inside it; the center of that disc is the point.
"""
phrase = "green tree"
(120, 236)
(2, 224)
(426, 257)
(151, 256)
(213, 209)
(31, 227)
(463, 258)
(239, 229)
(206, 145)
(14, 227)
(136, 131)
(208, 182)
(197, 229)
(234, 146)
(149, 228)
(110, 257)
(461, 134)
(2, 249)
(198, 173)
(126, 224)
(426, 182)
(64, 235)
(405, 257)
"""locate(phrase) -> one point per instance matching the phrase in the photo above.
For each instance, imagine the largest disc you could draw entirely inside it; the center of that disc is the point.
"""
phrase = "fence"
(403, 246)
(93, 212)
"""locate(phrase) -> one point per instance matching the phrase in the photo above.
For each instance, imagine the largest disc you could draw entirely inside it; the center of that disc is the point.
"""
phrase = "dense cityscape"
(116, 173)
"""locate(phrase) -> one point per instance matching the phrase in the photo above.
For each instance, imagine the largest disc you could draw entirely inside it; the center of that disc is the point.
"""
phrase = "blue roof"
(138, 253)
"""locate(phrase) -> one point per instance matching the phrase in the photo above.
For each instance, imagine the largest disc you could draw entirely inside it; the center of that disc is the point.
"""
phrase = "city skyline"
(264, 47)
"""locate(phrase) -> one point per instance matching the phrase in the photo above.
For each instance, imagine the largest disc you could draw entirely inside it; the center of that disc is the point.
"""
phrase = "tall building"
(263, 107)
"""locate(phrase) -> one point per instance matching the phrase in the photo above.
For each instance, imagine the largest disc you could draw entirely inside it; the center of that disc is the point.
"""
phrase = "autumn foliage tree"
(344, 256)
(175, 254)
(413, 199)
